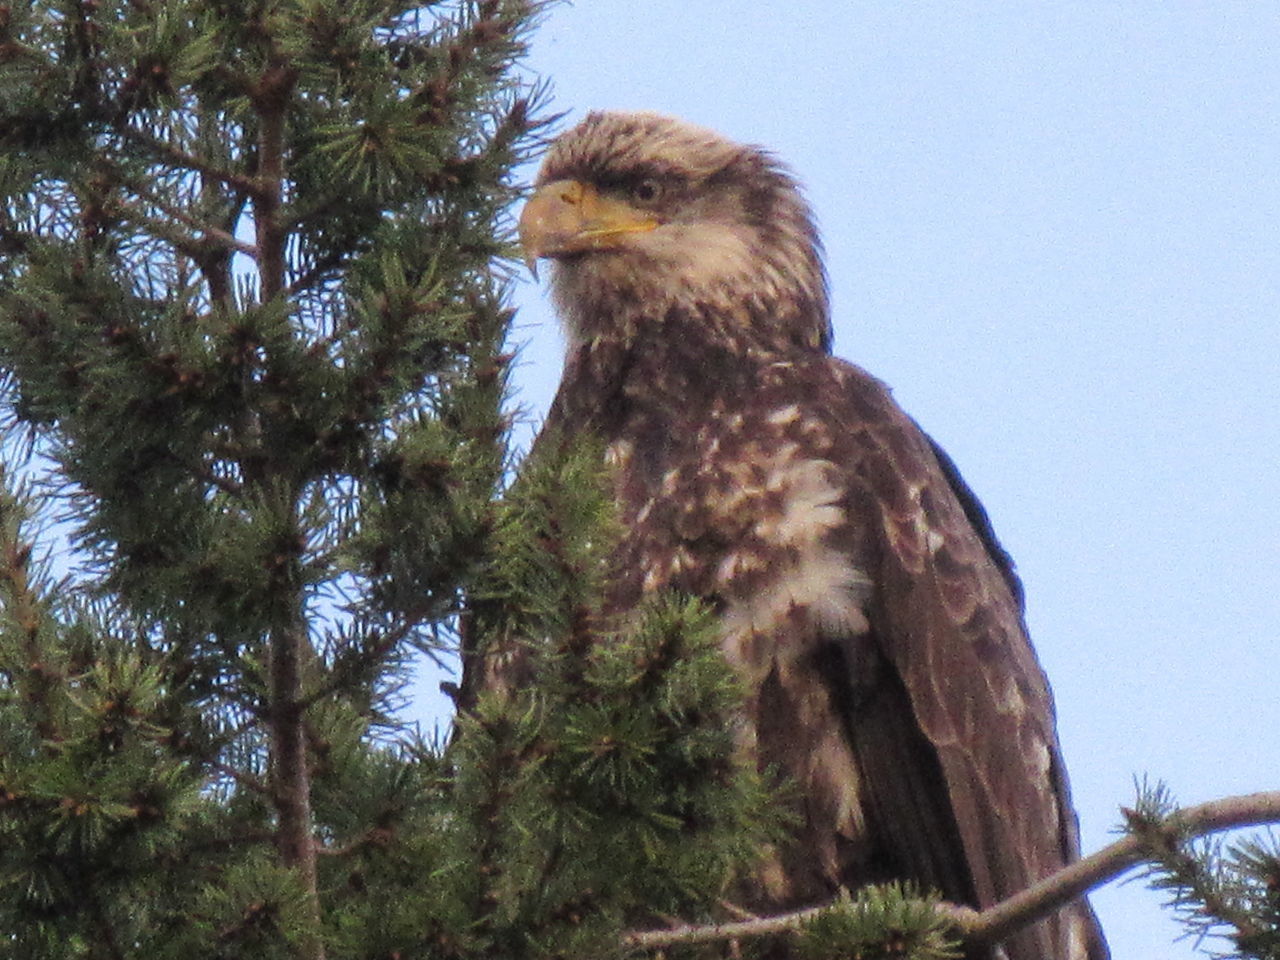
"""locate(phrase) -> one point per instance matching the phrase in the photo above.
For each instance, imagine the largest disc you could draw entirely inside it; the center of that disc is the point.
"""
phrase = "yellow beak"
(569, 216)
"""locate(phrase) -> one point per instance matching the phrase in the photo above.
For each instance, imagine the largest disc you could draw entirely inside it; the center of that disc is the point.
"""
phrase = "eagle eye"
(647, 190)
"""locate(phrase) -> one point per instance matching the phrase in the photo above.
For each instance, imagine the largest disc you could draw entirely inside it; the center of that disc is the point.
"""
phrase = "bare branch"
(998, 921)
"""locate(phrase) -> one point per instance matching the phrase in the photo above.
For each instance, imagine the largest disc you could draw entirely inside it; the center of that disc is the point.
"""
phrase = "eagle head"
(653, 224)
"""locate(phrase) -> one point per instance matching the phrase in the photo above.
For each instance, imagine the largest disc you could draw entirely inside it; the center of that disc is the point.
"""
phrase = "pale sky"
(1054, 229)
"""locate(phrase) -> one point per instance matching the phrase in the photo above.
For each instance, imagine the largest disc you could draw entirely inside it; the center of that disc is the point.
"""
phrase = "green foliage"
(1219, 890)
(627, 793)
(90, 783)
(601, 786)
(252, 324)
(880, 923)
(551, 539)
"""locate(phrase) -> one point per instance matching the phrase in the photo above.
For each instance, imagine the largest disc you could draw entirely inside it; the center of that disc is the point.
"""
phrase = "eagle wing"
(949, 713)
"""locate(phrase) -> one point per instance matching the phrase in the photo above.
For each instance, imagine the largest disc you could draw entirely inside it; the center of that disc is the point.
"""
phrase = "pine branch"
(221, 444)
(1000, 920)
(685, 934)
(1214, 894)
(36, 679)
(167, 152)
(105, 930)
(187, 243)
(245, 780)
(374, 654)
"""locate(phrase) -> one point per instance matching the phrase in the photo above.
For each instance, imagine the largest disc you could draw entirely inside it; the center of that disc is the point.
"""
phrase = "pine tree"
(252, 333)
(252, 322)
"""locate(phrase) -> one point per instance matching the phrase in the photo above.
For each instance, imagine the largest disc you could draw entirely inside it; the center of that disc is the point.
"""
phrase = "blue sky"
(1052, 228)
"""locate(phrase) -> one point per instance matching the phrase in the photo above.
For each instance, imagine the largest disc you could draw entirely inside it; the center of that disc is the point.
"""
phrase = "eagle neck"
(666, 375)
(754, 330)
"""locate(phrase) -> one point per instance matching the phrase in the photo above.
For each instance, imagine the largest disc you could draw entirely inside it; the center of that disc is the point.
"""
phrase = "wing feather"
(947, 615)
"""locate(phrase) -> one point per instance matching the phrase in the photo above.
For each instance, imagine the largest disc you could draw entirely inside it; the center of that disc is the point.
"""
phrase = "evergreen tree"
(251, 325)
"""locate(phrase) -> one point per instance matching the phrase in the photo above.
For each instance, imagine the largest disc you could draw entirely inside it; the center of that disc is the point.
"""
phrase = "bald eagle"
(861, 592)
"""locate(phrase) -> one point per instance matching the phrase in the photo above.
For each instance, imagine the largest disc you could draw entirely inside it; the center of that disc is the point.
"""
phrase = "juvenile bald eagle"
(861, 591)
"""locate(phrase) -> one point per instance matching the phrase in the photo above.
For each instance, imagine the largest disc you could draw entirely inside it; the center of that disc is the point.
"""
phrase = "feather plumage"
(863, 595)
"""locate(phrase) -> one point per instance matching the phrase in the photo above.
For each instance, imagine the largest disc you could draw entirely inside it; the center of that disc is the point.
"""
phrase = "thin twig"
(187, 243)
(329, 263)
(375, 652)
(248, 781)
(181, 158)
